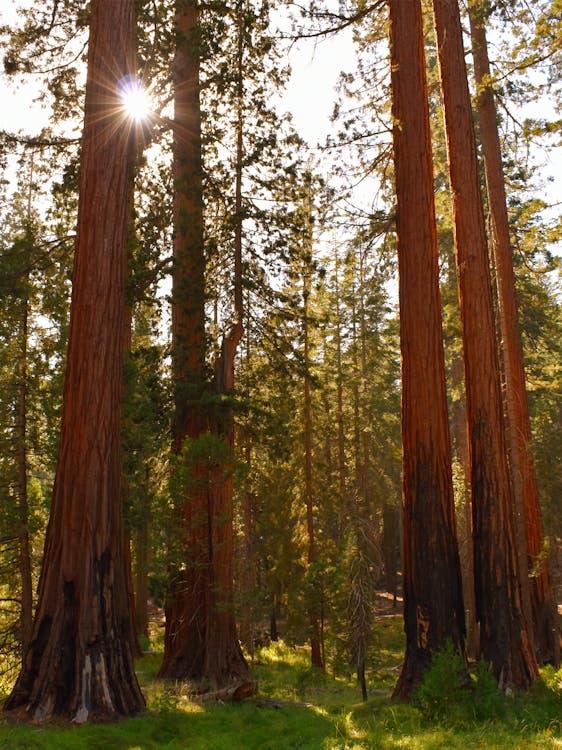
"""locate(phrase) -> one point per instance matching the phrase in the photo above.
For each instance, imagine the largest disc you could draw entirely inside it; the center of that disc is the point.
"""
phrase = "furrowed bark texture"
(187, 609)
(544, 618)
(433, 604)
(201, 641)
(504, 639)
(224, 661)
(79, 662)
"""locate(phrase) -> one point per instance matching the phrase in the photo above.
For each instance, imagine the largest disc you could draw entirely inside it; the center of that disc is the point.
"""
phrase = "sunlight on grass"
(309, 710)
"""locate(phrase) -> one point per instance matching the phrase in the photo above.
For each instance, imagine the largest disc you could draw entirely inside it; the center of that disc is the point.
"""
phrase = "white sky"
(311, 93)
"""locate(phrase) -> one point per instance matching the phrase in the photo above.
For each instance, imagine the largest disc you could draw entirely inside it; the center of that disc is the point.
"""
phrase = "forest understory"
(300, 707)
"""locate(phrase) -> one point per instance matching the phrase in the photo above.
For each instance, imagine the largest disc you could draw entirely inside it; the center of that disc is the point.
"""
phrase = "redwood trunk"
(188, 600)
(546, 632)
(433, 604)
(79, 663)
(504, 639)
(224, 660)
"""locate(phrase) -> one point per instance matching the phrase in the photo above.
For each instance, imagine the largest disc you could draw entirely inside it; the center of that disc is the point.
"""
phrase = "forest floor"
(299, 707)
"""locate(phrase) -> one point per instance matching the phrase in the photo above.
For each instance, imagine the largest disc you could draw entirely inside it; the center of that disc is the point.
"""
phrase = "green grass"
(334, 720)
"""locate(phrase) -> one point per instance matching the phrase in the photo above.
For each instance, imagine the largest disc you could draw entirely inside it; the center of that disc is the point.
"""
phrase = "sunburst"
(135, 99)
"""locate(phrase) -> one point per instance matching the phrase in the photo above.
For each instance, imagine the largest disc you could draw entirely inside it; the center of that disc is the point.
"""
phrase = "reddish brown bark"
(79, 662)
(433, 605)
(546, 632)
(201, 640)
(224, 661)
(504, 639)
(188, 601)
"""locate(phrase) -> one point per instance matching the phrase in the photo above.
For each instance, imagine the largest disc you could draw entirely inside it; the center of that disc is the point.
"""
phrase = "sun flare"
(136, 101)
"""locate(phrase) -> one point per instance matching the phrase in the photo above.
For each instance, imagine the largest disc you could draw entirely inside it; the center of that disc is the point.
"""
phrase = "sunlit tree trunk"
(546, 632)
(79, 663)
(504, 639)
(433, 604)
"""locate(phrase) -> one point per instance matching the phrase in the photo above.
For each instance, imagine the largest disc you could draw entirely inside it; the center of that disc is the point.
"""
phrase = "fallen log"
(235, 693)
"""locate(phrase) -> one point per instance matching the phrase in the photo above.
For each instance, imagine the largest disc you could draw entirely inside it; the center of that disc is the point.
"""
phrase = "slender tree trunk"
(433, 604)
(26, 616)
(546, 632)
(339, 380)
(142, 547)
(127, 334)
(504, 637)
(187, 604)
(79, 663)
(314, 618)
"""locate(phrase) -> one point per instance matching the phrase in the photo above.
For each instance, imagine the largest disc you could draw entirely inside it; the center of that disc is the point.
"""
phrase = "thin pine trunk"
(314, 619)
(26, 609)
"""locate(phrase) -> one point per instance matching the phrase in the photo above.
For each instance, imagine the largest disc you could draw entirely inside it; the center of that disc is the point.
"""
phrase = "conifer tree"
(433, 607)
(546, 634)
(79, 663)
(504, 640)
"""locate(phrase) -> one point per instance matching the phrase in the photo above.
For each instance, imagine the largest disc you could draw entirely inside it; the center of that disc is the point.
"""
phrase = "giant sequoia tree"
(79, 663)
(433, 604)
(187, 607)
(504, 640)
(201, 640)
(546, 634)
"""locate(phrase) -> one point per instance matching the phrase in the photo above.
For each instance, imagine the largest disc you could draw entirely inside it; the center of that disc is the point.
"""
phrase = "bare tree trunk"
(224, 659)
(433, 604)
(542, 606)
(188, 598)
(339, 380)
(26, 610)
(79, 663)
(314, 620)
(504, 636)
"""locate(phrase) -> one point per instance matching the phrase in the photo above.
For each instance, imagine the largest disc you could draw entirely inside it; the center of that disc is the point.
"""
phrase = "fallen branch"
(234, 693)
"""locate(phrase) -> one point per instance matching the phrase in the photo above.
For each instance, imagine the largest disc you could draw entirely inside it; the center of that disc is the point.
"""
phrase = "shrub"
(446, 690)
